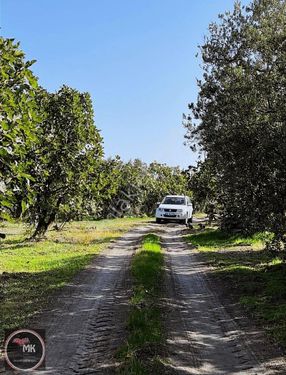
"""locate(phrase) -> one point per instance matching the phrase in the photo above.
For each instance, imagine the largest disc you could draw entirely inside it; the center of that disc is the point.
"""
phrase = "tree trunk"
(42, 226)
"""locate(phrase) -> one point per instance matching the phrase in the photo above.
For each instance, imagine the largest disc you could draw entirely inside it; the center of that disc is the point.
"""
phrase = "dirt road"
(203, 337)
(86, 322)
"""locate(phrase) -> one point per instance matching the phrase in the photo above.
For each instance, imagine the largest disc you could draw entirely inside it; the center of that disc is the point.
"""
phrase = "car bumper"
(175, 216)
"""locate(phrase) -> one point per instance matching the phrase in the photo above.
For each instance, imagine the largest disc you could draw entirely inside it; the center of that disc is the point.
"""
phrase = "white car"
(175, 208)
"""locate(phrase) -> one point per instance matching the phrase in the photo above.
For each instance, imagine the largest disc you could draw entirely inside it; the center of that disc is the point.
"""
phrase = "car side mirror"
(158, 204)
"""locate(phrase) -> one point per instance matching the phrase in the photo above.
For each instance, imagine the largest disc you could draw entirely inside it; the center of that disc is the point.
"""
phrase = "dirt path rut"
(87, 322)
(203, 338)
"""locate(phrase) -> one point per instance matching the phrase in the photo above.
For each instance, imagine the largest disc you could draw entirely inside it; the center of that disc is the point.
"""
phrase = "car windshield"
(174, 200)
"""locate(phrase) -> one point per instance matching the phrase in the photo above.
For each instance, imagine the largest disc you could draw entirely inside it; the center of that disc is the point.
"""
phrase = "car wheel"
(158, 221)
(190, 220)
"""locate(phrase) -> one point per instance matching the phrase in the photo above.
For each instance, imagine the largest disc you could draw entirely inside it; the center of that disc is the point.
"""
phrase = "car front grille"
(170, 210)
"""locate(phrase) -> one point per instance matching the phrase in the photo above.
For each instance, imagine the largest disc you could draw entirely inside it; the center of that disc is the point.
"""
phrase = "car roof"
(177, 196)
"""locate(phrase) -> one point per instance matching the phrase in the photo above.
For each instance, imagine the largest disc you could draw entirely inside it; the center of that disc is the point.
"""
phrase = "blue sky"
(135, 57)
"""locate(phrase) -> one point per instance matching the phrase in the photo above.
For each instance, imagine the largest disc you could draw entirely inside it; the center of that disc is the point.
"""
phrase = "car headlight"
(160, 209)
(180, 210)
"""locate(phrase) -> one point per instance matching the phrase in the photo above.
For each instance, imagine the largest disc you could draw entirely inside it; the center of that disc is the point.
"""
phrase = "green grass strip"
(140, 353)
(211, 239)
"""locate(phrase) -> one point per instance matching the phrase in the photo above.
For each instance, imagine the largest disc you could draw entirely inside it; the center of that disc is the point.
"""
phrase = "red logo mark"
(21, 342)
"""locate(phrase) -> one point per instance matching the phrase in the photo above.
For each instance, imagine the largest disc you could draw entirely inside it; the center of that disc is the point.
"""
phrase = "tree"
(140, 186)
(164, 180)
(239, 117)
(104, 183)
(203, 184)
(68, 152)
(19, 115)
(130, 192)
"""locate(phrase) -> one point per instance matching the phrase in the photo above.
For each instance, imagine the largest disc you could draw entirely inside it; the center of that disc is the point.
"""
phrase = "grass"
(199, 215)
(250, 275)
(32, 271)
(212, 239)
(141, 351)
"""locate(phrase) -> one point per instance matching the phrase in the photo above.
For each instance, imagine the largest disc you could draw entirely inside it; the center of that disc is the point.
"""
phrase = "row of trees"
(239, 119)
(140, 186)
(52, 165)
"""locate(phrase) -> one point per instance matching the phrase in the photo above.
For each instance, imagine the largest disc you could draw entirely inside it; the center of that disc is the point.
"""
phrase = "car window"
(174, 200)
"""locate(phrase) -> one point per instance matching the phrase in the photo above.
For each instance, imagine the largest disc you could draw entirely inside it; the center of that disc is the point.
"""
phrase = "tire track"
(87, 321)
(202, 337)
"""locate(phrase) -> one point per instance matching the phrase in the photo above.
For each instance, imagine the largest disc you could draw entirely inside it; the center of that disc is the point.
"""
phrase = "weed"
(142, 348)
